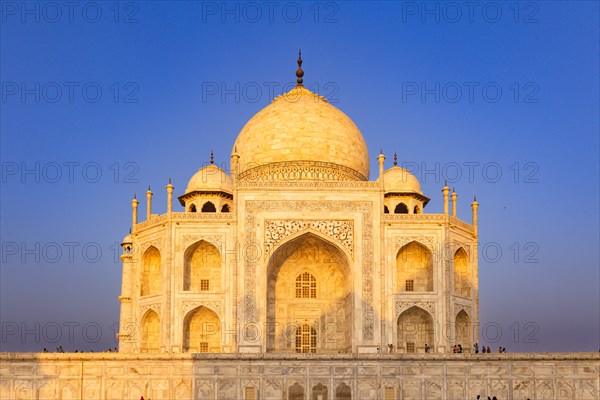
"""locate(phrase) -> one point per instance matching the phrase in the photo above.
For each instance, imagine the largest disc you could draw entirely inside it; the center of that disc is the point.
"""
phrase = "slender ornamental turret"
(381, 159)
(134, 213)
(299, 71)
(149, 203)
(169, 188)
(454, 195)
(474, 207)
(445, 190)
(235, 158)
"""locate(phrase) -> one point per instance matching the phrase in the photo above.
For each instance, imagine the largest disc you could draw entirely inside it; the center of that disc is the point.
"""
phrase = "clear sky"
(101, 99)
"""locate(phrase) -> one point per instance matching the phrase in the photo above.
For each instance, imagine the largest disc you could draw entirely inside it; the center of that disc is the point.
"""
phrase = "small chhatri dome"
(400, 180)
(300, 136)
(210, 179)
(127, 239)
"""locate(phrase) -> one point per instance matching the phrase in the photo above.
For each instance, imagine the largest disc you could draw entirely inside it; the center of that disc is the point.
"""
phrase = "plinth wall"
(573, 376)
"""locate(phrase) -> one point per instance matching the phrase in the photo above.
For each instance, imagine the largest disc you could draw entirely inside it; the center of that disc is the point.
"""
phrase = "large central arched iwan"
(309, 297)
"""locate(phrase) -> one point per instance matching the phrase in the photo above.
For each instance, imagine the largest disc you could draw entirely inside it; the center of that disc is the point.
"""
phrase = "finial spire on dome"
(395, 159)
(212, 157)
(299, 71)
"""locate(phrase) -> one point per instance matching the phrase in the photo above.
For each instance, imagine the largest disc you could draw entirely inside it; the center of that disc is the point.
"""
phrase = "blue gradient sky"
(164, 60)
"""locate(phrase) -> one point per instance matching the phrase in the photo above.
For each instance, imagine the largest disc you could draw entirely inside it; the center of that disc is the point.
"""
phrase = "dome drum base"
(301, 170)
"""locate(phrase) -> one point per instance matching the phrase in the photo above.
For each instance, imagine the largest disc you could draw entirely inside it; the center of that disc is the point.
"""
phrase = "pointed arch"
(328, 285)
(296, 392)
(150, 332)
(416, 210)
(414, 268)
(462, 276)
(202, 267)
(151, 272)
(343, 392)
(46, 390)
(401, 208)
(209, 207)
(225, 208)
(386, 210)
(462, 326)
(415, 329)
(281, 248)
(202, 331)
(68, 392)
(192, 208)
(319, 391)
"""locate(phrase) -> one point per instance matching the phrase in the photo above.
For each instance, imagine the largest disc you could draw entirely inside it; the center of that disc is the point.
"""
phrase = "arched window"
(150, 332)
(225, 208)
(386, 210)
(415, 330)
(201, 331)
(462, 281)
(306, 286)
(343, 392)
(401, 209)
(209, 207)
(416, 210)
(319, 391)
(150, 279)
(462, 326)
(193, 208)
(414, 269)
(306, 339)
(202, 268)
(296, 392)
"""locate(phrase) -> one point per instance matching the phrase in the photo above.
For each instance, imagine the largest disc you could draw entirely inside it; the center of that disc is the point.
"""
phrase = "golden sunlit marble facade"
(290, 277)
(295, 250)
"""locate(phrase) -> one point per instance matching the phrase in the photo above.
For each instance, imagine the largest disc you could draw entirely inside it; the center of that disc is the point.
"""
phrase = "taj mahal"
(299, 251)
(293, 272)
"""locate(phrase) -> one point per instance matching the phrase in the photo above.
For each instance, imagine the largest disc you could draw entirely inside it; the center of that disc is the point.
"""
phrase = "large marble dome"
(301, 136)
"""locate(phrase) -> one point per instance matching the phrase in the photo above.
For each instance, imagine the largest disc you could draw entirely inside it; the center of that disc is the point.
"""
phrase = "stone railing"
(415, 217)
(184, 216)
(429, 217)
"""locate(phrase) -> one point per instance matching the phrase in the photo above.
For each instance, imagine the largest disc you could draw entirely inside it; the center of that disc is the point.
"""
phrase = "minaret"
(381, 159)
(235, 167)
(149, 204)
(474, 207)
(169, 188)
(445, 190)
(134, 213)
(454, 195)
(125, 340)
(299, 71)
